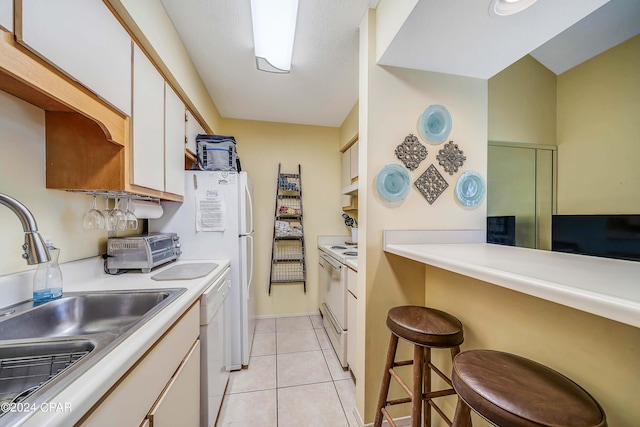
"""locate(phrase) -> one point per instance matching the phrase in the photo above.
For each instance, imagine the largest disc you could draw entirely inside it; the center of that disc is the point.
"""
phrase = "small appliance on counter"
(141, 252)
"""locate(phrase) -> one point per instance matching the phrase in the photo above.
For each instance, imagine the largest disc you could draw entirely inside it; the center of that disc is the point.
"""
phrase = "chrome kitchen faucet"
(35, 251)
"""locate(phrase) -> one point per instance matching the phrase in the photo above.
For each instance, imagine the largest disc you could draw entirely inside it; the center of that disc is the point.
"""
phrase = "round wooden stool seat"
(509, 390)
(427, 329)
(425, 326)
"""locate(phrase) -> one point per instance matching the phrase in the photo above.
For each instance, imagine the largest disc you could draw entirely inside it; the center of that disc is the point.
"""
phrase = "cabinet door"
(6, 15)
(147, 124)
(353, 166)
(179, 404)
(130, 401)
(174, 131)
(346, 168)
(352, 307)
(193, 129)
(83, 39)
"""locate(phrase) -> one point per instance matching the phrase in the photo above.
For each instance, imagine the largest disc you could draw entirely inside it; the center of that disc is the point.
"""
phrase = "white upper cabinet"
(6, 15)
(353, 161)
(350, 170)
(83, 39)
(174, 133)
(147, 123)
(193, 129)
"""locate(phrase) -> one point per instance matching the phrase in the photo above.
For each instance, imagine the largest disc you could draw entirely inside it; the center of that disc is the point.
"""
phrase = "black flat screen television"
(501, 230)
(609, 236)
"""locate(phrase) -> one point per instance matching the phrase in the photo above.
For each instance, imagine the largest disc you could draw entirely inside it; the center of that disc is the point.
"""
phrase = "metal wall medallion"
(451, 157)
(411, 152)
(431, 184)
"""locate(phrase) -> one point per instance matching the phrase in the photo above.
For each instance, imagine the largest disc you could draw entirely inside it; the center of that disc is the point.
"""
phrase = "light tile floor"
(294, 379)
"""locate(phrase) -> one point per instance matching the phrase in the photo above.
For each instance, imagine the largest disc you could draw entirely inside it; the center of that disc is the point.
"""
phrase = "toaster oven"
(141, 252)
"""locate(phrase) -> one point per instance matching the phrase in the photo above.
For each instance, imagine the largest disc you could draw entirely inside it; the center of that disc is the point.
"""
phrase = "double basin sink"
(44, 348)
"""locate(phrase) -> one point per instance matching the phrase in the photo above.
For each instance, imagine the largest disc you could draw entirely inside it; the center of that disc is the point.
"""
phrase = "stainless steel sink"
(44, 348)
(80, 314)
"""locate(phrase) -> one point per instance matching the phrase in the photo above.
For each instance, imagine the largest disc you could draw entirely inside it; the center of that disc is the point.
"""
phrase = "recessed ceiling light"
(509, 7)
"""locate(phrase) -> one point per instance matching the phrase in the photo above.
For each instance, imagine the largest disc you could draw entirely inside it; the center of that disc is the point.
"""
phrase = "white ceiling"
(456, 37)
(461, 37)
(612, 24)
(322, 86)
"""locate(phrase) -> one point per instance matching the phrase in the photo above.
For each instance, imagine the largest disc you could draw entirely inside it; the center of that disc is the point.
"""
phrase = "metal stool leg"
(386, 380)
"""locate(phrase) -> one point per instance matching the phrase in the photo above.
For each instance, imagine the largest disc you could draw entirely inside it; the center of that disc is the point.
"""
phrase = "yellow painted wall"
(391, 100)
(599, 354)
(22, 165)
(598, 133)
(522, 104)
(261, 146)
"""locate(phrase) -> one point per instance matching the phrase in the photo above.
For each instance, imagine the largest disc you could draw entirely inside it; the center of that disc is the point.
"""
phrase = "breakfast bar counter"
(607, 287)
(579, 315)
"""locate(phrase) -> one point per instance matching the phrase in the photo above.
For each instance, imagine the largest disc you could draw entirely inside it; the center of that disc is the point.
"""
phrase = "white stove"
(340, 252)
(334, 253)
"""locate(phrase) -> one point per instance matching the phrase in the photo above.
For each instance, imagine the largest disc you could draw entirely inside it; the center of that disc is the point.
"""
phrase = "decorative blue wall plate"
(434, 124)
(470, 188)
(393, 183)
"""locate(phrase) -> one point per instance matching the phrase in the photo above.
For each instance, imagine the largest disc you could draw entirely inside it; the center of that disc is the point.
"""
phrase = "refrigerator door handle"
(250, 238)
(250, 202)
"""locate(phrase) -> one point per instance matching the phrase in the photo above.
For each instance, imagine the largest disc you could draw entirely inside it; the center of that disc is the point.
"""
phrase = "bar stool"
(509, 390)
(426, 328)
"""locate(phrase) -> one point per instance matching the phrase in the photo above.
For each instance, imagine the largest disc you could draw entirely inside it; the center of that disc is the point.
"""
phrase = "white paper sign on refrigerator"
(210, 212)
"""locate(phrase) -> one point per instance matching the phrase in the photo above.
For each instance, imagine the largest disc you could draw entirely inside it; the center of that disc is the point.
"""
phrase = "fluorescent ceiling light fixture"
(509, 7)
(274, 26)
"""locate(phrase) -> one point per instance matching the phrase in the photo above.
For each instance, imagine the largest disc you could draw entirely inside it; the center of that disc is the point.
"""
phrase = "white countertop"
(88, 388)
(607, 287)
(353, 263)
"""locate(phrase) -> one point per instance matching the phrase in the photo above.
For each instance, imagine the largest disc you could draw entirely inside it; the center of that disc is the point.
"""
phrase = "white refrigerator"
(215, 221)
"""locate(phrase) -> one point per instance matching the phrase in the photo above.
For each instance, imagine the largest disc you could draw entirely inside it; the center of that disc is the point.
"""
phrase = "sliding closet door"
(520, 182)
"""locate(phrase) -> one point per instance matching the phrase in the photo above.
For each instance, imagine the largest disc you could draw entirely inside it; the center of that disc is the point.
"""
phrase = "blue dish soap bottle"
(47, 282)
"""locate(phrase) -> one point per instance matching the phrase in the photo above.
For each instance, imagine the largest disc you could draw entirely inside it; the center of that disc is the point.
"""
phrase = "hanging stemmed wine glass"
(93, 219)
(117, 219)
(130, 217)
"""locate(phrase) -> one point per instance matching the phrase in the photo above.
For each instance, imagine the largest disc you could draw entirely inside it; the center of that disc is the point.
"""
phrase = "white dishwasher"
(215, 348)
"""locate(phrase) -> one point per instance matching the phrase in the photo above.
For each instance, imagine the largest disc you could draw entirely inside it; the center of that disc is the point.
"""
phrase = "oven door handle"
(331, 263)
(332, 320)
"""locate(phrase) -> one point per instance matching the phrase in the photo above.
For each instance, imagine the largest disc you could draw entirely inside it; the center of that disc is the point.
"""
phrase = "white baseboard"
(275, 316)
(400, 422)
